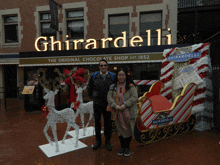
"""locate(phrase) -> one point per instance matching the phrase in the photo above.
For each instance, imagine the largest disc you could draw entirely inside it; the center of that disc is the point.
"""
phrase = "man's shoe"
(127, 152)
(121, 152)
(97, 145)
(108, 146)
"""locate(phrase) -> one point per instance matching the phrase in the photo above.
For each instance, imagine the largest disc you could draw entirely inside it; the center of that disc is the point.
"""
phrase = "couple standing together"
(119, 93)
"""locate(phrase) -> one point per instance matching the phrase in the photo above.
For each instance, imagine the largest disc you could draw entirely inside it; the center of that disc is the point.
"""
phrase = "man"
(98, 88)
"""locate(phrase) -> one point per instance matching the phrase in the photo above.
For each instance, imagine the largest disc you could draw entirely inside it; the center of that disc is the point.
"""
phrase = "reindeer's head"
(79, 91)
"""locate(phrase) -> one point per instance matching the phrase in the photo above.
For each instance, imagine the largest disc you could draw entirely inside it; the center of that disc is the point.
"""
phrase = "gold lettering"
(158, 36)
(76, 42)
(133, 40)
(148, 37)
(67, 43)
(89, 44)
(104, 40)
(121, 38)
(168, 37)
(136, 40)
(45, 44)
(53, 43)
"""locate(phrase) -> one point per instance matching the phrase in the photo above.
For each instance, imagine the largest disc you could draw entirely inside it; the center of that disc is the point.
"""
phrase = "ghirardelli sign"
(92, 43)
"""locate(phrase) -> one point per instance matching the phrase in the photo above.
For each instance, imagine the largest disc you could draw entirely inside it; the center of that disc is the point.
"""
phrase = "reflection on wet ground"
(21, 133)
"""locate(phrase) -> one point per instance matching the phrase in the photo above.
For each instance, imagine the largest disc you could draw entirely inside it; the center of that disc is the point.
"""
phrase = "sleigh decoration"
(159, 119)
(177, 104)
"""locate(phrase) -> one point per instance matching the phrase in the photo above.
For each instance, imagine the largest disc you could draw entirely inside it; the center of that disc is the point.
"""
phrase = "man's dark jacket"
(98, 89)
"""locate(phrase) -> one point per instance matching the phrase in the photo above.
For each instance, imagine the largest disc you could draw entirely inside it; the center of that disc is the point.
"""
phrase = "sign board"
(187, 76)
(188, 68)
(9, 61)
(86, 59)
(190, 78)
(184, 57)
(28, 90)
(162, 121)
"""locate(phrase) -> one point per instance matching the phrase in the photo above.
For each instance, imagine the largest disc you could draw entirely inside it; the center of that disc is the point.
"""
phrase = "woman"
(122, 98)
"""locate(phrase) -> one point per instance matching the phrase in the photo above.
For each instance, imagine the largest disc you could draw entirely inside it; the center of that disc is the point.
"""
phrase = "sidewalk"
(21, 133)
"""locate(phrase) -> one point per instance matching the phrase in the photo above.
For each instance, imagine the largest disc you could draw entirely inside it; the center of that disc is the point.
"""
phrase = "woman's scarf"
(124, 116)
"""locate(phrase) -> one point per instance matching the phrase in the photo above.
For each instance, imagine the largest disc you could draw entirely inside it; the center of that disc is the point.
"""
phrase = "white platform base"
(68, 146)
(88, 132)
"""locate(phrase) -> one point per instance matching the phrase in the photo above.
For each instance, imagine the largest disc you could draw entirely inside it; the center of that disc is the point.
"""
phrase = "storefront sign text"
(9, 61)
(94, 59)
(184, 57)
(92, 43)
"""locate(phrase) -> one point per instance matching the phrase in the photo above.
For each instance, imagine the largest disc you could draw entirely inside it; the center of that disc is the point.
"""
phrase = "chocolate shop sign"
(136, 40)
(88, 59)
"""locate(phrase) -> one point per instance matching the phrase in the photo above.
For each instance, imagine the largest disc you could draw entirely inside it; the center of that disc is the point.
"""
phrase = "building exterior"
(22, 22)
(94, 29)
(199, 22)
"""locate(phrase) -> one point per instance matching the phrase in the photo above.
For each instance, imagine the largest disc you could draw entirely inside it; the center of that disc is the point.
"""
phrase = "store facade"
(143, 63)
(89, 27)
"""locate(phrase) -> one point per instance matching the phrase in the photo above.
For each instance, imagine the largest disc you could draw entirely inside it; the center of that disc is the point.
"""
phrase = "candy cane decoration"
(32, 82)
(144, 82)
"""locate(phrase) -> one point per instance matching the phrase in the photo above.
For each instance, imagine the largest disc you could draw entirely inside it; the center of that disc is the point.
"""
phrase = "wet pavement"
(21, 134)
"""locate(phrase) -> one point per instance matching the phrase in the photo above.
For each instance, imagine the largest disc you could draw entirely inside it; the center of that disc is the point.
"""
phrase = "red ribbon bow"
(45, 111)
(76, 105)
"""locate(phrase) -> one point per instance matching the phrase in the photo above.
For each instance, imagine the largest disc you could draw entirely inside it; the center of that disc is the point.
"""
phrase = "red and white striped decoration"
(144, 82)
(32, 82)
(35, 82)
(180, 113)
(203, 64)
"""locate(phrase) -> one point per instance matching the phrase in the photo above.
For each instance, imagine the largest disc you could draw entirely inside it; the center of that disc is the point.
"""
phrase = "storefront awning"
(93, 59)
(147, 54)
(12, 58)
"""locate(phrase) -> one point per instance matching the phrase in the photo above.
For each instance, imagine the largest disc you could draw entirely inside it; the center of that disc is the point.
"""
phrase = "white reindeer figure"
(83, 107)
(66, 115)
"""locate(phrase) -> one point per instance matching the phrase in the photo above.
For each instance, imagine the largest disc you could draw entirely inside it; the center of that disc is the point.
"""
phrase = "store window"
(45, 21)
(152, 21)
(75, 24)
(11, 29)
(117, 25)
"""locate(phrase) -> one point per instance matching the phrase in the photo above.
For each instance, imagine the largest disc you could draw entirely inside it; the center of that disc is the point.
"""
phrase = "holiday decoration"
(81, 107)
(144, 82)
(76, 76)
(53, 116)
(45, 111)
(202, 102)
(173, 104)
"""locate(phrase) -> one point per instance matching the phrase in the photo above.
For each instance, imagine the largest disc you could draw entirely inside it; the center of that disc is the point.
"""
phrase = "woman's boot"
(127, 145)
(122, 142)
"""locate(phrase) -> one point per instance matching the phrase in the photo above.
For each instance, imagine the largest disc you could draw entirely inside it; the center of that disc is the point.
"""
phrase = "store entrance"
(10, 83)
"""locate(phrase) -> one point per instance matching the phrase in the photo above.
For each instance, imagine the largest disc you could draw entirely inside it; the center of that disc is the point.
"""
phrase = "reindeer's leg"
(45, 132)
(67, 130)
(76, 127)
(82, 120)
(54, 130)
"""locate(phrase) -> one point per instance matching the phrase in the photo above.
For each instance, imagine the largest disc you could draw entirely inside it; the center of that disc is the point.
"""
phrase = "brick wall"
(95, 16)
